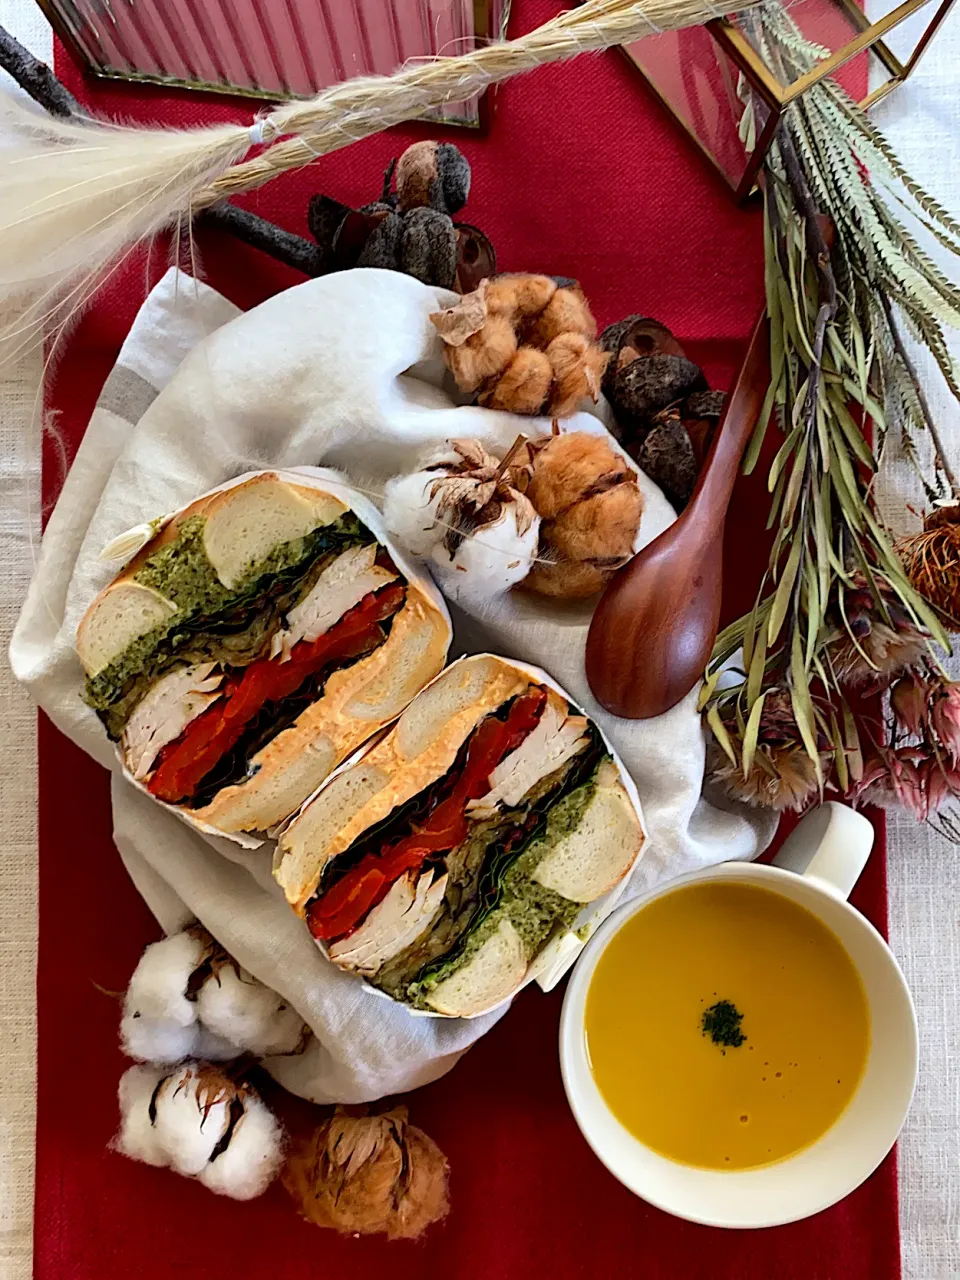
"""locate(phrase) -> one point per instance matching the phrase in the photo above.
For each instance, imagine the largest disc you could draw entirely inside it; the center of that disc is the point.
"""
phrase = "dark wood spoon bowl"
(653, 631)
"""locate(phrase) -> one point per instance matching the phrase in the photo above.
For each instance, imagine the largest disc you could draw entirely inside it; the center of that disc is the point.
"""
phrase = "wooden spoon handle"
(714, 488)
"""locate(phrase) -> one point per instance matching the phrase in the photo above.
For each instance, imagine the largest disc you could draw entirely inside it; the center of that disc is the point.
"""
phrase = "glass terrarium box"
(728, 87)
(271, 49)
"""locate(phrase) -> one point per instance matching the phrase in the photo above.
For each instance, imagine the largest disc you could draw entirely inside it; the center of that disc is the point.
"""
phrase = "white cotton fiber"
(494, 557)
(409, 512)
(160, 980)
(215, 1048)
(157, 1039)
(185, 1126)
(236, 1006)
(252, 1157)
(137, 1137)
(185, 1133)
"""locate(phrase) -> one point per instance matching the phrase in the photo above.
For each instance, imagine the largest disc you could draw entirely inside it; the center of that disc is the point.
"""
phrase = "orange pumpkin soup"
(726, 1026)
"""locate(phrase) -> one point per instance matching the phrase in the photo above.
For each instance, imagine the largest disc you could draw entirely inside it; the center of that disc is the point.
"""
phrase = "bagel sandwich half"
(440, 864)
(254, 643)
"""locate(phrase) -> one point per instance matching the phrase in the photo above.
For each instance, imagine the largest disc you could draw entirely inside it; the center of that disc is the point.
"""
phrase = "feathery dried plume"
(77, 194)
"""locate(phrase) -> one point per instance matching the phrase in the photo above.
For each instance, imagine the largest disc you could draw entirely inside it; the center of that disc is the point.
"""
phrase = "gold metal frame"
(778, 96)
(68, 31)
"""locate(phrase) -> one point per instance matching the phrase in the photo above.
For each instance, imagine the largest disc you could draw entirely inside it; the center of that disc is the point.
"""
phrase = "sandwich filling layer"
(415, 896)
(196, 697)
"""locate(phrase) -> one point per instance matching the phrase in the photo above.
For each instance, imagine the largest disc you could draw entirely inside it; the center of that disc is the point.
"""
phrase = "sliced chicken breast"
(556, 738)
(165, 711)
(342, 584)
(407, 910)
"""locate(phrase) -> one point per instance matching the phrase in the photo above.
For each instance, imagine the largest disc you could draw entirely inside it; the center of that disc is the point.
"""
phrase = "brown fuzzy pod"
(483, 355)
(570, 465)
(523, 386)
(566, 312)
(363, 1175)
(565, 581)
(416, 172)
(577, 372)
(600, 528)
(519, 296)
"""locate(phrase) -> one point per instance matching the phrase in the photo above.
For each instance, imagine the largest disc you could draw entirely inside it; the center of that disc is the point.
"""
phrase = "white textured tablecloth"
(923, 122)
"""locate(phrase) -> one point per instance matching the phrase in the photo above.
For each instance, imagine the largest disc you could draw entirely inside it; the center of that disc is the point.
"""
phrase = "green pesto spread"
(534, 911)
(232, 625)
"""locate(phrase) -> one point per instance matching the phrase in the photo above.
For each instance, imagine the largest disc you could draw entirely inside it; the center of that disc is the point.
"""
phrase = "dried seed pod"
(428, 248)
(461, 512)
(600, 528)
(476, 257)
(651, 383)
(485, 354)
(366, 1174)
(668, 458)
(565, 581)
(521, 296)
(433, 175)
(567, 466)
(524, 384)
(577, 370)
(533, 309)
(591, 507)
(566, 312)
(932, 561)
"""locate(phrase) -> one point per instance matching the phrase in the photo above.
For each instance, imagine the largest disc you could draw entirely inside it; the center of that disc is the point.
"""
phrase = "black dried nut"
(324, 216)
(647, 385)
(704, 404)
(449, 193)
(667, 457)
(647, 337)
(382, 245)
(428, 248)
(476, 257)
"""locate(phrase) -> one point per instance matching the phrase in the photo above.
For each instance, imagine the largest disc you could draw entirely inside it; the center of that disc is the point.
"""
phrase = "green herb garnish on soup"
(726, 1026)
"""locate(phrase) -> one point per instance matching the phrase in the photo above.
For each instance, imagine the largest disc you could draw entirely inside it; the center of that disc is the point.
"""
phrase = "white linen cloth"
(346, 372)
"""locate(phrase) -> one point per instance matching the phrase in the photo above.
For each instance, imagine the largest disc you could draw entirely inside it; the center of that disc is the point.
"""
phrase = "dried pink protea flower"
(895, 777)
(909, 700)
(945, 718)
(873, 645)
(781, 776)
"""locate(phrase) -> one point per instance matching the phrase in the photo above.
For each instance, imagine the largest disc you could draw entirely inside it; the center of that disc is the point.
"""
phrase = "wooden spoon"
(653, 631)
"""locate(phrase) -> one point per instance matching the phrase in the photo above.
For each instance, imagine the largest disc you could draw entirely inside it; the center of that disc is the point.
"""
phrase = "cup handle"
(830, 845)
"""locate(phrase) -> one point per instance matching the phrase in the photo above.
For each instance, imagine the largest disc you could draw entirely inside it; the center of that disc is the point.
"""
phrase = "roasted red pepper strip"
(184, 763)
(345, 904)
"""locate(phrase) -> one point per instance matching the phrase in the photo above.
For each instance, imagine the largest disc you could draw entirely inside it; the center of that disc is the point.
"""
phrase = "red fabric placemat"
(581, 174)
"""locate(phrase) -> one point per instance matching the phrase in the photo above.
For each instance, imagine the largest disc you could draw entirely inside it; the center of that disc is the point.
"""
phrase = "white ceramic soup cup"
(817, 867)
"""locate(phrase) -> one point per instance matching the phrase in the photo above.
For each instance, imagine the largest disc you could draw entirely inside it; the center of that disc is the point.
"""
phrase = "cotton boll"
(496, 556)
(410, 513)
(234, 1004)
(192, 1113)
(138, 1138)
(159, 983)
(215, 1048)
(157, 1039)
(251, 1159)
(201, 1123)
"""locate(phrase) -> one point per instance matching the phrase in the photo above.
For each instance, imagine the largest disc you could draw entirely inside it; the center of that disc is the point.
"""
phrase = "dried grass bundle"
(76, 195)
